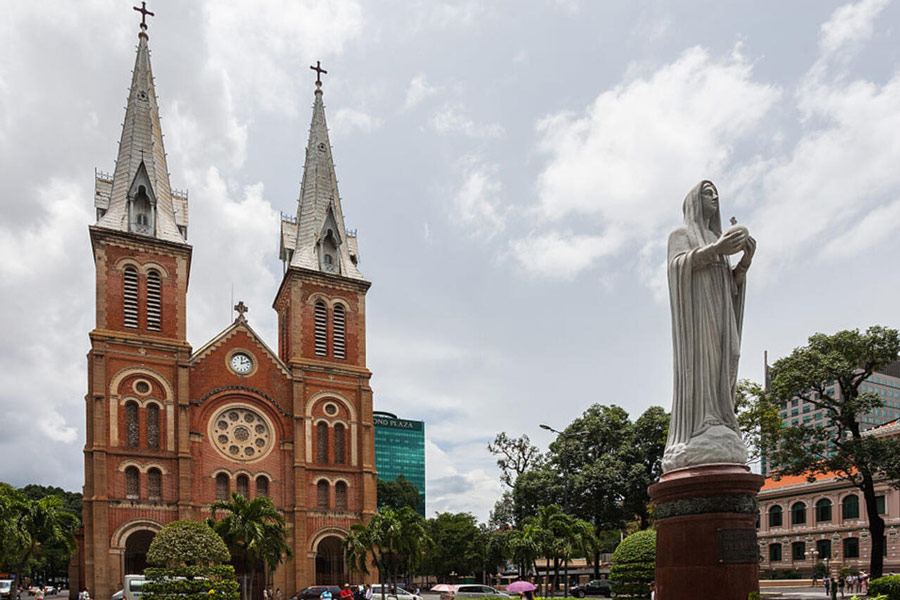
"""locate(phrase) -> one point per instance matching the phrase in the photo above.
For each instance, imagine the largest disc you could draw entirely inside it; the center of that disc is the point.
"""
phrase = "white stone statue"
(707, 300)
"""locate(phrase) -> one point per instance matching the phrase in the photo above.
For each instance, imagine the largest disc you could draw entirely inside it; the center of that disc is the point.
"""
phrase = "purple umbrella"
(520, 586)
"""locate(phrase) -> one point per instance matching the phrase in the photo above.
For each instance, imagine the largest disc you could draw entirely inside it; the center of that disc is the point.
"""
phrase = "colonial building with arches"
(170, 429)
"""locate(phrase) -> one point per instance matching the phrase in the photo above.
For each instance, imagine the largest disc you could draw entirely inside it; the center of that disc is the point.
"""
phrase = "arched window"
(154, 301)
(851, 548)
(262, 486)
(823, 547)
(154, 484)
(322, 494)
(322, 443)
(321, 327)
(850, 507)
(153, 426)
(339, 444)
(775, 516)
(798, 514)
(132, 433)
(222, 486)
(823, 510)
(340, 496)
(130, 297)
(339, 325)
(243, 486)
(132, 483)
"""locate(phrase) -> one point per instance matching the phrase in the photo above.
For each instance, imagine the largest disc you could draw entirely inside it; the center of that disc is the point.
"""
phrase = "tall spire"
(138, 198)
(317, 239)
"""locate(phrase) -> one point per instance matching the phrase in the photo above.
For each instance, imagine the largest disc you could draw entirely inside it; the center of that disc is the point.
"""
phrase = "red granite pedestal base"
(706, 533)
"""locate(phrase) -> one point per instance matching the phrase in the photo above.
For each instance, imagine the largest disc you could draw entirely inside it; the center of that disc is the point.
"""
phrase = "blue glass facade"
(400, 450)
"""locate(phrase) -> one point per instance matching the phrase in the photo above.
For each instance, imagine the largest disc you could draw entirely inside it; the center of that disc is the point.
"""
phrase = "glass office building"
(400, 450)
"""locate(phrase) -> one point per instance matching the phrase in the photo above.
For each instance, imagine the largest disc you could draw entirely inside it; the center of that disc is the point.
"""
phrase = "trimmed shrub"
(190, 583)
(183, 543)
(634, 565)
(888, 586)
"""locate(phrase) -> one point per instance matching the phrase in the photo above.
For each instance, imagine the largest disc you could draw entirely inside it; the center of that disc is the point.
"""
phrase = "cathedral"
(170, 429)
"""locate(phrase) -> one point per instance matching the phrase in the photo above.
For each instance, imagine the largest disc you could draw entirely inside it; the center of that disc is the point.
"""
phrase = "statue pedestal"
(706, 533)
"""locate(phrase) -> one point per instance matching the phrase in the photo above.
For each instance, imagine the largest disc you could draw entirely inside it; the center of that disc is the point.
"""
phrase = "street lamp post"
(811, 556)
(565, 437)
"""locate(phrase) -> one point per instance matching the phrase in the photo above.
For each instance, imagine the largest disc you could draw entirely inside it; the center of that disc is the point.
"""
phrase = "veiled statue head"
(701, 211)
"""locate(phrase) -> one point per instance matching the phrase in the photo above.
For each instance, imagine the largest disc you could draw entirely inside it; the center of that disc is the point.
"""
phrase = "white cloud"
(850, 23)
(251, 44)
(477, 204)
(418, 91)
(347, 120)
(454, 489)
(563, 255)
(452, 118)
(873, 229)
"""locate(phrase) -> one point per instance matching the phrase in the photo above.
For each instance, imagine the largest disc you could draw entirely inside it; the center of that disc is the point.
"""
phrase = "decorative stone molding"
(241, 388)
(725, 503)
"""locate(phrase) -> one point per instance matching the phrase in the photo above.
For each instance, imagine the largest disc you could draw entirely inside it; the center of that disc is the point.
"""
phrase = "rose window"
(241, 434)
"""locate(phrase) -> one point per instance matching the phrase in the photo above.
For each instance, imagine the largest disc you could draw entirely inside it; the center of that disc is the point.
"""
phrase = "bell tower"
(321, 306)
(137, 455)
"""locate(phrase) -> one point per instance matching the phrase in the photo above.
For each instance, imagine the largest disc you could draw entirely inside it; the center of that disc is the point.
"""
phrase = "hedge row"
(190, 583)
(634, 565)
(888, 586)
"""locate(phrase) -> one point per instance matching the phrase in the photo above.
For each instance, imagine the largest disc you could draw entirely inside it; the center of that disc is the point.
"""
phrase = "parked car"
(476, 590)
(6, 589)
(313, 593)
(401, 594)
(596, 587)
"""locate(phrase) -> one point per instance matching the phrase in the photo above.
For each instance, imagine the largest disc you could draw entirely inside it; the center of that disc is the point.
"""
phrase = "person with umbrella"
(525, 589)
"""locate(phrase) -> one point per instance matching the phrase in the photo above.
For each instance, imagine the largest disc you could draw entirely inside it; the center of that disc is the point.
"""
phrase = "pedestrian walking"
(827, 583)
(277, 593)
(369, 593)
(841, 582)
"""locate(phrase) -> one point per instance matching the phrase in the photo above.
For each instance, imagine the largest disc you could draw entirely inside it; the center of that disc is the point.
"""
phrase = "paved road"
(799, 593)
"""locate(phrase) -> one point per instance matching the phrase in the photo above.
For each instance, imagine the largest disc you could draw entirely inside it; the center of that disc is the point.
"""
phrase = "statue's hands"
(731, 242)
(749, 251)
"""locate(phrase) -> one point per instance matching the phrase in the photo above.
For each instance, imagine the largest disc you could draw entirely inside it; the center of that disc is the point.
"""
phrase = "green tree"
(560, 537)
(185, 544)
(490, 550)
(514, 456)
(634, 562)
(503, 515)
(523, 545)
(254, 532)
(828, 373)
(33, 528)
(72, 501)
(757, 416)
(455, 537)
(397, 493)
(394, 540)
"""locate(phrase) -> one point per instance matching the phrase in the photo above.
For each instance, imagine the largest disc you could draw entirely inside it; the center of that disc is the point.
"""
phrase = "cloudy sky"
(513, 169)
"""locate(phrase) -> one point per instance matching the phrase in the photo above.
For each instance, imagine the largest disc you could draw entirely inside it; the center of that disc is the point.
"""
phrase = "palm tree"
(254, 531)
(523, 544)
(551, 526)
(37, 526)
(395, 539)
(579, 542)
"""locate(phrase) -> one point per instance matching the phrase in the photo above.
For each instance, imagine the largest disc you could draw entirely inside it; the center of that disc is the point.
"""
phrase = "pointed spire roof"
(142, 162)
(320, 220)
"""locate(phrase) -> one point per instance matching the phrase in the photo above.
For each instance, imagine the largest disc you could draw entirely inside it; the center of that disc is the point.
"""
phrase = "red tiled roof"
(786, 480)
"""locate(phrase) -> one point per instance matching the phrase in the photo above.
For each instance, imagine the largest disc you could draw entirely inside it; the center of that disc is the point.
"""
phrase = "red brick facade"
(169, 429)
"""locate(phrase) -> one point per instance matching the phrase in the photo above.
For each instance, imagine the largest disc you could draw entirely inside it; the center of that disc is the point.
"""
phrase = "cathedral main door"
(136, 547)
(330, 562)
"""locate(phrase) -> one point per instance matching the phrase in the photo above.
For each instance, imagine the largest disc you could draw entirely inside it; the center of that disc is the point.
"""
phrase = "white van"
(133, 587)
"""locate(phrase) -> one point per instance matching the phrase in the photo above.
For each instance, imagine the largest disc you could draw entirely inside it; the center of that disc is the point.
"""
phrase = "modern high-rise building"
(885, 383)
(400, 450)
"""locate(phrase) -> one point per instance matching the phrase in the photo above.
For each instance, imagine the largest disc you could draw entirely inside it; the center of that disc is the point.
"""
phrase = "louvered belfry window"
(321, 323)
(130, 297)
(322, 494)
(153, 426)
(154, 484)
(322, 443)
(154, 301)
(132, 483)
(132, 434)
(340, 496)
(339, 444)
(339, 329)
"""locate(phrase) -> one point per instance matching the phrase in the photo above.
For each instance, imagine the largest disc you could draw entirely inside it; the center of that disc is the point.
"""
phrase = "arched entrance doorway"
(330, 562)
(136, 547)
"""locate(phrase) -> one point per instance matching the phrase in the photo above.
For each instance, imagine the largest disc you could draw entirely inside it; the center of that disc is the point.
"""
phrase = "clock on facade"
(241, 363)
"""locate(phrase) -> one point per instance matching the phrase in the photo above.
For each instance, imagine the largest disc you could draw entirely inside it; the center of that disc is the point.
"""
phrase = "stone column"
(706, 533)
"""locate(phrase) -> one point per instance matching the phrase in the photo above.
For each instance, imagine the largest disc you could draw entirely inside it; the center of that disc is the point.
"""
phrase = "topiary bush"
(186, 543)
(888, 586)
(187, 556)
(634, 565)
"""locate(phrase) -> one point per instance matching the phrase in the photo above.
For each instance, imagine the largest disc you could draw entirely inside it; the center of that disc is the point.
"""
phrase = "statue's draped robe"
(707, 301)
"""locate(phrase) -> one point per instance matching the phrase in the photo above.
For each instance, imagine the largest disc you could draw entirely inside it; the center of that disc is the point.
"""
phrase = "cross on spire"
(241, 308)
(144, 12)
(318, 69)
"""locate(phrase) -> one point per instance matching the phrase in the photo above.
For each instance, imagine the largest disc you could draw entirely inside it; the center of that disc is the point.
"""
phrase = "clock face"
(241, 363)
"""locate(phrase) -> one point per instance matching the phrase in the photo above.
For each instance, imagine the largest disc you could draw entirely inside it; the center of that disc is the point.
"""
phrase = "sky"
(513, 169)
